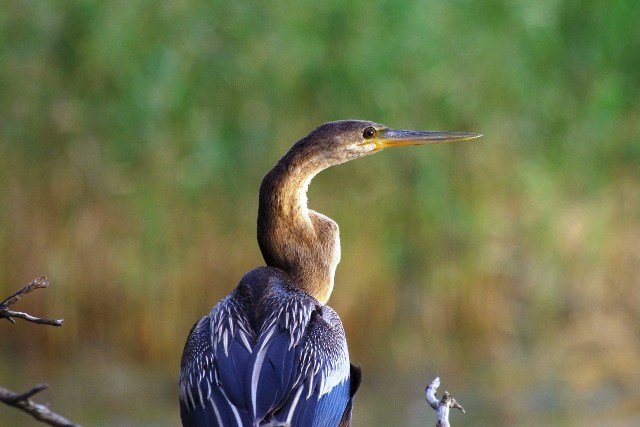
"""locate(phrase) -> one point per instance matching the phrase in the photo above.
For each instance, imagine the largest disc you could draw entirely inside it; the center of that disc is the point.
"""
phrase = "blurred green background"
(134, 135)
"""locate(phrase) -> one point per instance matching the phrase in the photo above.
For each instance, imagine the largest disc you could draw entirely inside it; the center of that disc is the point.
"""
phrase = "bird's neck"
(300, 241)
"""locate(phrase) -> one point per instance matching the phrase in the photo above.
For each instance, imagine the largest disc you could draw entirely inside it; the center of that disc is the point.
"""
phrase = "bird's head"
(338, 142)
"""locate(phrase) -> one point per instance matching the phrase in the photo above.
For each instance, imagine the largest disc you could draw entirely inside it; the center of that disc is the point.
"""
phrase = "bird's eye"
(369, 132)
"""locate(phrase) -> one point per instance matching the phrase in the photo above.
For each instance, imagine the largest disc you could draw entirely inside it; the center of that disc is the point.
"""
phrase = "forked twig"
(40, 282)
(441, 406)
(38, 411)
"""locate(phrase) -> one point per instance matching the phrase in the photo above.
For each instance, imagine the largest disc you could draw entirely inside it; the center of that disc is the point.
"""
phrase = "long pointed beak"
(388, 138)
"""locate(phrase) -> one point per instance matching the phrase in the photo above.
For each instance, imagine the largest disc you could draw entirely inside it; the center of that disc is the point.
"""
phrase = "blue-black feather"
(266, 353)
(331, 406)
(231, 371)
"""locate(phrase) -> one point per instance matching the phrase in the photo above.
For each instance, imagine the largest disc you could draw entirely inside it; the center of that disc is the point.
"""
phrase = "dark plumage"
(271, 352)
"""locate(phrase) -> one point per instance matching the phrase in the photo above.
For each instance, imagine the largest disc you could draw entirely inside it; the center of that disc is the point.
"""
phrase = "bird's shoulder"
(266, 298)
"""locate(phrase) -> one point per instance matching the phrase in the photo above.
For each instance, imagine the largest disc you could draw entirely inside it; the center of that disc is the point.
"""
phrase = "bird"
(272, 352)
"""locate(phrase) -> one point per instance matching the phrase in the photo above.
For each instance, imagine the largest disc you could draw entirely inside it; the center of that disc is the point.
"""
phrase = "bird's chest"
(327, 236)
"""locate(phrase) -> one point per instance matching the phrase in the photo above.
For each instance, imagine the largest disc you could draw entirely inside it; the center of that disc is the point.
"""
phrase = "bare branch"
(26, 395)
(23, 400)
(443, 405)
(431, 393)
(38, 411)
(40, 282)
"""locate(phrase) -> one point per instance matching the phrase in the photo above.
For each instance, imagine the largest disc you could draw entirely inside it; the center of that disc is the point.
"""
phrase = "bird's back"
(267, 354)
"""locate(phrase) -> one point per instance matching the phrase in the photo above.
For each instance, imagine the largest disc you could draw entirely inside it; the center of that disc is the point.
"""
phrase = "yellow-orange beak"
(388, 138)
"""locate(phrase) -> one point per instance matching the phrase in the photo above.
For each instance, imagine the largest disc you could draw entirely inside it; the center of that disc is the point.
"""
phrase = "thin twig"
(26, 395)
(38, 411)
(40, 282)
(441, 406)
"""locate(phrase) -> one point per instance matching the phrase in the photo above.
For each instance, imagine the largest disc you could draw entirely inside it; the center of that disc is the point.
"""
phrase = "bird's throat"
(303, 243)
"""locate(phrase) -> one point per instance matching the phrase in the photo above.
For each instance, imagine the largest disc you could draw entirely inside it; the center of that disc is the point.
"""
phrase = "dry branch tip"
(441, 406)
(37, 283)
